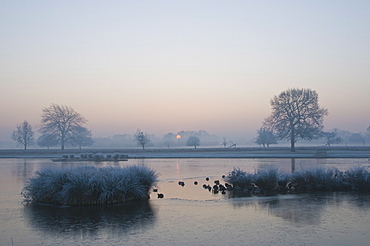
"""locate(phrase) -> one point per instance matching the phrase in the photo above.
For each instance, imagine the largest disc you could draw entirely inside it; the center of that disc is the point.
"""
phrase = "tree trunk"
(292, 142)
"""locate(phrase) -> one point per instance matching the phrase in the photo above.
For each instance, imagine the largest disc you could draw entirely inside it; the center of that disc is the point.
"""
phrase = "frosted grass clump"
(88, 185)
(312, 179)
(239, 178)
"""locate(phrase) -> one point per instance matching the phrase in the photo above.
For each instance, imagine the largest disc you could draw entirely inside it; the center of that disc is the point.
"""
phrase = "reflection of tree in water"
(304, 209)
(23, 171)
(91, 221)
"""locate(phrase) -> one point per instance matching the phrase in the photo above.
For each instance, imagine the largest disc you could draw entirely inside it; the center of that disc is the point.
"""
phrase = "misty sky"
(167, 66)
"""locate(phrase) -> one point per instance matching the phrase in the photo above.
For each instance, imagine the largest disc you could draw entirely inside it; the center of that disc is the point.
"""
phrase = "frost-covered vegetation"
(92, 157)
(88, 185)
(270, 180)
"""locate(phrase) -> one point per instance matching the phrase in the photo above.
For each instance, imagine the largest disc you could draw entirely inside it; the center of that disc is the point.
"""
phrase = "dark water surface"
(188, 215)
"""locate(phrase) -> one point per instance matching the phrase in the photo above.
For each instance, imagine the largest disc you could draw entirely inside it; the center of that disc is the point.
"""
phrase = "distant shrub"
(89, 185)
(98, 157)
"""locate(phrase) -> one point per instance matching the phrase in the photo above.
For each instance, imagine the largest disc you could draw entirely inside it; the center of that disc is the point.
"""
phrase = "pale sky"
(167, 66)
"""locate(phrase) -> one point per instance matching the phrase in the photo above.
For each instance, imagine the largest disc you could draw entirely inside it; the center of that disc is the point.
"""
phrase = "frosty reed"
(88, 185)
(270, 180)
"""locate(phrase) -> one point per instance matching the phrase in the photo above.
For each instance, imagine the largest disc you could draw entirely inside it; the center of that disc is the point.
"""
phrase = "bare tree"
(265, 137)
(224, 142)
(60, 121)
(296, 114)
(141, 138)
(168, 139)
(193, 141)
(332, 137)
(47, 141)
(81, 137)
(23, 135)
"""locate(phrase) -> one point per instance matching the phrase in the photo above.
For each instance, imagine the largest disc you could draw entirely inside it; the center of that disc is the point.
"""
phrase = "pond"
(189, 214)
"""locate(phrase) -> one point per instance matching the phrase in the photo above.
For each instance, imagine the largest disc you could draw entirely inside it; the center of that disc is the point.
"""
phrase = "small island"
(92, 157)
(89, 185)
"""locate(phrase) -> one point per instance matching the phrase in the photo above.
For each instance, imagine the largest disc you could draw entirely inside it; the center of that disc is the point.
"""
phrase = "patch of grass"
(309, 180)
(87, 185)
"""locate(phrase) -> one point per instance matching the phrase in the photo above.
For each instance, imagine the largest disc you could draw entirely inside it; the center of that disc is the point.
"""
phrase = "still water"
(188, 215)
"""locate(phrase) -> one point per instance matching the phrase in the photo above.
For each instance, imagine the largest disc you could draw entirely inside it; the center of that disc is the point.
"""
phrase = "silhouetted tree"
(47, 141)
(357, 138)
(296, 114)
(141, 138)
(81, 137)
(23, 135)
(332, 138)
(265, 137)
(367, 134)
(193, 141)
(168, 139)
(224, 142)
(60, 121)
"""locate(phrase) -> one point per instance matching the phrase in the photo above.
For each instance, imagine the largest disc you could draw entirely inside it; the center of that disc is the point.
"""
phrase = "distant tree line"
(60, 125)
(295, 115)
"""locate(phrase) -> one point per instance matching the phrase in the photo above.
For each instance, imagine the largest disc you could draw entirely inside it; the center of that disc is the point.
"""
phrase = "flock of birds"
(215, 188)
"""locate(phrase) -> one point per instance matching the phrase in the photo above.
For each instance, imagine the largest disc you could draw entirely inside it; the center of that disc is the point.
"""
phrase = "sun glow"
(178, 136)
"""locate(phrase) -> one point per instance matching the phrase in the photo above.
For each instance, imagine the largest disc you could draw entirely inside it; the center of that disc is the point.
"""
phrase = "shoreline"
(156, 153)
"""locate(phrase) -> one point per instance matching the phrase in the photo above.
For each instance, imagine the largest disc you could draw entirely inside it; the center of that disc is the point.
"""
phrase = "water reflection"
(306, 209)
(23, 171)
(89, 221)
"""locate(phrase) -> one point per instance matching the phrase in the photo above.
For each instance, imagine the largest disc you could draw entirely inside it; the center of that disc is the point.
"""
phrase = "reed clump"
(270, 180)
(89, 185)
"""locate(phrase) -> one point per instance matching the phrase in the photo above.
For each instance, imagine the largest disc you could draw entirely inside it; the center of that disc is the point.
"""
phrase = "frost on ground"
(87, 185)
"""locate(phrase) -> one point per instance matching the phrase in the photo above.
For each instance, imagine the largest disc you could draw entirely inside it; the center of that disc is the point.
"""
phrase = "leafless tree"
(23, 135)
(141, 138)
(224, 142)
(193, 141)
(296, 114)
(265, 137)
(47, 141)
(81, 137)
(60, 121)
(331, 137)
